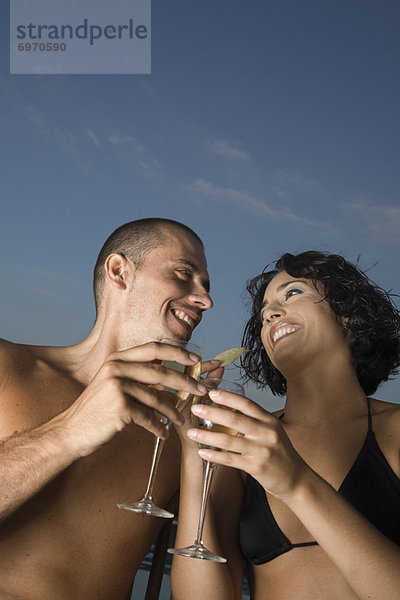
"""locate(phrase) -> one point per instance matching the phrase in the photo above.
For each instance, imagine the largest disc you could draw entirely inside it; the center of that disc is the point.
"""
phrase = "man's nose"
(202, 300)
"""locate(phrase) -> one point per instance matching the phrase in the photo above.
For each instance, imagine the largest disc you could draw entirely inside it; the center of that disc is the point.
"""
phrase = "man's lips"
(189, 319)
(282, 329)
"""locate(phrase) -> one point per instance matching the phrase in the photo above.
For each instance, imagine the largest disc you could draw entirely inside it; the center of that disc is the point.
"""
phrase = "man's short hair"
(134, 240)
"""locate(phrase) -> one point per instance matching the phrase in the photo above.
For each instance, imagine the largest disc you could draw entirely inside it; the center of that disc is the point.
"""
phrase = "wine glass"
(146, 505)
(197, 549)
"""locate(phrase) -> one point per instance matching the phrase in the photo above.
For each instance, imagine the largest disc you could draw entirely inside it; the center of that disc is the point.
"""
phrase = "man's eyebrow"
(184, 261)
(195, 269)
(280, 288)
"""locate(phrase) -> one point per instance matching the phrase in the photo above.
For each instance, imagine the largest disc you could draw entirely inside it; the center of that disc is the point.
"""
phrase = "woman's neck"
(324, 396)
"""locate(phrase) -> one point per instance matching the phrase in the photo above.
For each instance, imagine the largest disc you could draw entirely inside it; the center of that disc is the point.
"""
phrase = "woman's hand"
(212, 369)
(262, 447)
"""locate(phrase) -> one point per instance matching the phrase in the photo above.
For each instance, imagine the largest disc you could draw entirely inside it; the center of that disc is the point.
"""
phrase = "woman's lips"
(281, 330)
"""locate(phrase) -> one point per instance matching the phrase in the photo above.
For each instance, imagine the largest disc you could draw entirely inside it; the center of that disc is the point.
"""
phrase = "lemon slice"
(229, 356)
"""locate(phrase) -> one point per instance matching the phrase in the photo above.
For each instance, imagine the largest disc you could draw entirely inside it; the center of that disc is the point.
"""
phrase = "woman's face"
(298, 324)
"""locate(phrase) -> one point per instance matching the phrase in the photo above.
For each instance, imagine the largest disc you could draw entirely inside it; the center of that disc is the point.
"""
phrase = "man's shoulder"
(14, 360)
(11, 352)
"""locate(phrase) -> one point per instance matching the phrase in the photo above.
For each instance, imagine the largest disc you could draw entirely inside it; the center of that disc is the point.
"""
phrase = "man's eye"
(292, 292)
(185, 272)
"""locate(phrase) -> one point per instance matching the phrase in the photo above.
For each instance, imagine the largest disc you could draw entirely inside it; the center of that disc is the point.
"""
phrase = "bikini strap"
(304, 544)
(369, 415)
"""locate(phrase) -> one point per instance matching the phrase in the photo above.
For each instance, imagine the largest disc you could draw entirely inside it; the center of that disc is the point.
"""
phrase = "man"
(77, 422)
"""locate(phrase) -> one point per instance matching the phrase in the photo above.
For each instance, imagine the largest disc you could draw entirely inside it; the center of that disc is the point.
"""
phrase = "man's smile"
(188, 319)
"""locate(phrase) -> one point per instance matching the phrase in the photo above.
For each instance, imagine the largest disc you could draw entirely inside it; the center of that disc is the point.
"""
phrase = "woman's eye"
(292, 292)
(185, 272)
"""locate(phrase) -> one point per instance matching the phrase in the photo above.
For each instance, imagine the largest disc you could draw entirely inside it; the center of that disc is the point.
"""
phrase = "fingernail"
(194, 357)
(201, 387)
(214, 394)
(197, 409)
(215, 361)
(206, 454)
(191, 433)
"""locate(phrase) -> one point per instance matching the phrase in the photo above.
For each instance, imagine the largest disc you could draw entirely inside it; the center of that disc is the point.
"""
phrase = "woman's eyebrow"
(279, 289)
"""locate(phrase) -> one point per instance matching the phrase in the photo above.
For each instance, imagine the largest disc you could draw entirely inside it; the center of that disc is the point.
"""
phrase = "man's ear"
(118, 270)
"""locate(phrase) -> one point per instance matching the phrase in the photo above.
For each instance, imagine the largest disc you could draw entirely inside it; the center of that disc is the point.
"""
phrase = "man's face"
(169, 293)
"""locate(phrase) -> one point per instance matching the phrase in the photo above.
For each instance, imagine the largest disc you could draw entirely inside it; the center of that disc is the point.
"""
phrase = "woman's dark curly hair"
(373, 321)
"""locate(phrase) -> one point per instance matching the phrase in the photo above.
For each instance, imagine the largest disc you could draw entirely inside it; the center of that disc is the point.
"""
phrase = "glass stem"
(208, 472)
(158, 446)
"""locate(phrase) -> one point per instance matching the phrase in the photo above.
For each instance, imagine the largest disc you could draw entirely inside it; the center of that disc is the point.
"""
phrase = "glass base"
(146, 507)
(197, 551)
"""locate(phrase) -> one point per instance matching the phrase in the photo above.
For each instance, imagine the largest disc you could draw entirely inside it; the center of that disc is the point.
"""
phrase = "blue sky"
(267, 126)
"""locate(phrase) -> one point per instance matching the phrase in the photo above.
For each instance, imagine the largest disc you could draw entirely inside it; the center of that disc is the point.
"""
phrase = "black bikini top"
(371, 486)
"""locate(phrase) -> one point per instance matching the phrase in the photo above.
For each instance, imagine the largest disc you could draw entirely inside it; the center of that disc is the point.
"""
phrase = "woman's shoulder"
(386, 427)
(385, 410)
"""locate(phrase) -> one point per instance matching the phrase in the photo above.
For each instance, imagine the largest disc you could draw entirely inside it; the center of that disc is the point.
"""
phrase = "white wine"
(209, 425)
(223, 429)
(194, 371)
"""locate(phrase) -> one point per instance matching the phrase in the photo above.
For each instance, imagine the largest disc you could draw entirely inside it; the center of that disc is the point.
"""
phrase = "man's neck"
(83, 360)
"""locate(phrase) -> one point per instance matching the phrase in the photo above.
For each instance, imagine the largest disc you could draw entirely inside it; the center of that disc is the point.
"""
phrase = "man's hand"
(124, 392)
(212, 369)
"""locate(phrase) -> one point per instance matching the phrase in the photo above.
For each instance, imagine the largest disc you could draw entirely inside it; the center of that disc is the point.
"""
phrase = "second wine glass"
(146, 505)
(197, 549)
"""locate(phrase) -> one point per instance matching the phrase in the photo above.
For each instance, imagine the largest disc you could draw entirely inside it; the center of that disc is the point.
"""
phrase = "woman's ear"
(118, 270)
(344, 322)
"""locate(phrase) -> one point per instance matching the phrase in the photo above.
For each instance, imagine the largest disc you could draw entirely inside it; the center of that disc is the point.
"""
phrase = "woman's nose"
(273, 311)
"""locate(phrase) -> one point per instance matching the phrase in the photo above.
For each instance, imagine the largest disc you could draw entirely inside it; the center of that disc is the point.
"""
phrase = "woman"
(313, 503)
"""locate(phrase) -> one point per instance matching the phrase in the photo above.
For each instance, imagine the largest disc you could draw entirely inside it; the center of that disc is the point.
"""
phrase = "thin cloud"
(94, 138)
(45, 127)
(61, 139)
(131, 151)
(229, 149)
(117, 138)
(248, 202)
(286, 182)
(382, 222)
(241, 198)
(125, 149)
(37, 119)
(45, 283)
